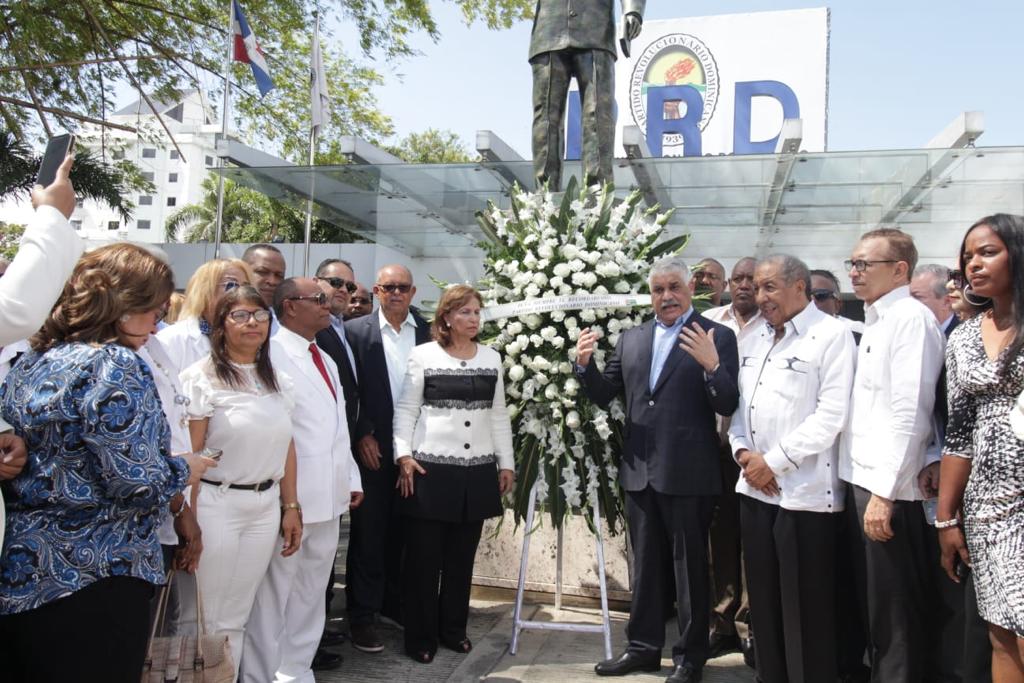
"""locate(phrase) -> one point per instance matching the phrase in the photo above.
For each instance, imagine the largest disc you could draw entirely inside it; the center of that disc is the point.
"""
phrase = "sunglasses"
(392, 288)
(957, 278)
(242, 317)
(823, 294)
(359, 301)
(338, 283)
(320, 298)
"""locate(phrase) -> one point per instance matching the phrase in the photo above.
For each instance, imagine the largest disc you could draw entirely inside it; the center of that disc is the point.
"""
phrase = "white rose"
(557, 316)
(572, 420)
(536, 340)
(516, 373)
(541, 363)
(591, 257)
(523, 341)
(565, 290)
(565, 367)
(551, 392)
(558, 342)
(600, 289)
(540, 279)
(569, 251)
(579, 278)
(533, 321)
(562, 269)
(571, 386)
(548, 333)
(589, 279)
(556, 281)
(576, 265)
(570, 323)
(532, 290)
(514, 327)
(573, 335)
(622, 287)
(540, 378)
(587, 315)
(546, 250)
(512, 349)
(614, 325)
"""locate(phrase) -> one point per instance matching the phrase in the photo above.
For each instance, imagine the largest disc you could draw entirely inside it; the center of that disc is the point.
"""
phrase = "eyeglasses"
(360, 301)
(338, 283)
(823, 294)
(957, 278)
(230, 284)
(860, 265)
(391, 288)
(242, 316)
(161, 313)
(320, 298)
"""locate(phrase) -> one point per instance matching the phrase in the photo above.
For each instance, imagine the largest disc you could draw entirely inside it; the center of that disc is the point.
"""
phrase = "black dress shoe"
(749, 652)
(331, 636)
(722, 644)
(628, 662)
(685, 673)
(325, 661)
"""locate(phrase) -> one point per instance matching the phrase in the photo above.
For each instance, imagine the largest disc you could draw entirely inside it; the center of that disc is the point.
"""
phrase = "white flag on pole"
(318, 85)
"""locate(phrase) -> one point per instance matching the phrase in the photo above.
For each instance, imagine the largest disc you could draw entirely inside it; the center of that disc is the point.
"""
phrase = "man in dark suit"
(676, 372)
(381, 344)
(959, 645)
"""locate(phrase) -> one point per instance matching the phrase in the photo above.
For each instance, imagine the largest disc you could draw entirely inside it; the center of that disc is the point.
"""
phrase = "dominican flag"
(248, 50)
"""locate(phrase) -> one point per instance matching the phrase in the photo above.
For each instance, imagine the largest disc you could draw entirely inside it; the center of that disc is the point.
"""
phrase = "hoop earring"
(984, 301)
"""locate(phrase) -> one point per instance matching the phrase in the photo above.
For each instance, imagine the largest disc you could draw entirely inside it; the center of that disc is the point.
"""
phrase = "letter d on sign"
(688, 126)
(745, 93)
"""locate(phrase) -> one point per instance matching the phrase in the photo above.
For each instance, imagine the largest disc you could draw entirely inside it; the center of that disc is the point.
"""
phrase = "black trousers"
(977, 648)
(790, 560)
(729, 603)
(96, 634)
(663, 526)
(892, 583)
(373, 564)
(437, 553)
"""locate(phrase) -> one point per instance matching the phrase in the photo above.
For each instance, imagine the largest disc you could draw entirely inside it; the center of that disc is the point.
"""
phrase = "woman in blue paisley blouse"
(453, 446)
(81, 554)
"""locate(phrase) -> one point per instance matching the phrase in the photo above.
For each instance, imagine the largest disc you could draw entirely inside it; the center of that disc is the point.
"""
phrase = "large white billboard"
(723, 83)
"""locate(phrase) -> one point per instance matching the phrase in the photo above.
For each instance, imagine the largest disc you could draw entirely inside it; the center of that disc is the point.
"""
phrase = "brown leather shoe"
(366, 639)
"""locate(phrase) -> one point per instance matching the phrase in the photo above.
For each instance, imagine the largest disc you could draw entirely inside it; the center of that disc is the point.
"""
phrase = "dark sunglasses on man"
(360, 301)
(338, 283)
(391, 288)
(319, 298)
(823, 294)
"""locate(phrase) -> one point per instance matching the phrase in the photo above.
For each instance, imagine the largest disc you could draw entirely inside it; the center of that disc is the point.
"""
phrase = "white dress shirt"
(48, 253)
(794, 395)
(890, 423)
(184, 343)
(724, 315)
(339, 326)
(397, 347)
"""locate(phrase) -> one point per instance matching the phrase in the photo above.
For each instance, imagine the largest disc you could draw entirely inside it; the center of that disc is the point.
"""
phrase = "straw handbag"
(186, 659)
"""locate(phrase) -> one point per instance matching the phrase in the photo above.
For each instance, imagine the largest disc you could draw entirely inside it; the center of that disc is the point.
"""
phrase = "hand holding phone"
(59, 192)
(57, 150)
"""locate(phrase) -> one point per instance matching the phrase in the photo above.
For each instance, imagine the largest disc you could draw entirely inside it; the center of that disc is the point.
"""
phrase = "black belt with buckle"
(262, 486)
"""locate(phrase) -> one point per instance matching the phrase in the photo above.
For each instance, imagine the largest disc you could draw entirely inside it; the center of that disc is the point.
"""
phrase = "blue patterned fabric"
(99, 473)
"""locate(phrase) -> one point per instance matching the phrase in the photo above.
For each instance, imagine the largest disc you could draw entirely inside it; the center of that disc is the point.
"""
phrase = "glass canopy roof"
(810, 205)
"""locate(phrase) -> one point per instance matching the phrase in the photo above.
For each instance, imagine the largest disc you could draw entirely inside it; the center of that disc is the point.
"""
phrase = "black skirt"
(454, 493)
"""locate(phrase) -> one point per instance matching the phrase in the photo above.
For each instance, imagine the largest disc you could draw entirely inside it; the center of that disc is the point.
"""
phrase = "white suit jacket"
(327, 472)
(184, 343)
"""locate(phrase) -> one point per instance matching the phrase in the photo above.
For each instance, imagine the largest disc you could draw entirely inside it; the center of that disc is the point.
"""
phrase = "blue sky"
(900, 71)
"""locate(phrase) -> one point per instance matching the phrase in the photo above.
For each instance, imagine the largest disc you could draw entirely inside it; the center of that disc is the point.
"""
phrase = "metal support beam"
(646, 174)
(496, 155)
(957, 137)
(786, 150)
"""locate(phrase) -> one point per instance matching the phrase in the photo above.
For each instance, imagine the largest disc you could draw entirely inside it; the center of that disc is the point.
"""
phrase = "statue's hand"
(633, 24)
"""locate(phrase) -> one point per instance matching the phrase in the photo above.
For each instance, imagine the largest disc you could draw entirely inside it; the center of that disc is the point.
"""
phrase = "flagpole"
(312, 148)
(224, 129)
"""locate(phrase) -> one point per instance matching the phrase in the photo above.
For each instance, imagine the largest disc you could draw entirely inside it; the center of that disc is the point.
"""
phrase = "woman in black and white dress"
(983, 461)
(453, 446)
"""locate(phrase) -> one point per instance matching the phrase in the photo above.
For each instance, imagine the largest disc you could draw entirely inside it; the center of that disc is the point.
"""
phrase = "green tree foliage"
(432, 146)
(249, 216)
(44, 44)
(111, 183)
(10, 238)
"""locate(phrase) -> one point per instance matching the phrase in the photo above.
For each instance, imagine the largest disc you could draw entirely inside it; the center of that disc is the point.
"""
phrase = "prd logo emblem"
(674, 59)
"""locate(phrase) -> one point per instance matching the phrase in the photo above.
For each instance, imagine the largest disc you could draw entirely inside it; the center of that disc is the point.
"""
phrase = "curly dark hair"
(107, 283)
(222, 365)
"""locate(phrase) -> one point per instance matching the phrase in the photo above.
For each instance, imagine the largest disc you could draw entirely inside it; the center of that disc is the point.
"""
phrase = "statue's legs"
(595, 74)
(551, 74)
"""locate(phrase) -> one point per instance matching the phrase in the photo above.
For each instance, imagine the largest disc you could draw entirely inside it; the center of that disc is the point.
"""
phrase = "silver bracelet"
(947, 524)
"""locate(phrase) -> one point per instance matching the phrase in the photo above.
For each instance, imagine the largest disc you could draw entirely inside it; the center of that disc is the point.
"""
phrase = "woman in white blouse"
(453, 446)
(188, 340)
(240, 406)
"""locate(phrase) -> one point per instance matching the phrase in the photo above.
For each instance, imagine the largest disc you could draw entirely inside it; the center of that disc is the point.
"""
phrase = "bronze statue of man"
(576, 39)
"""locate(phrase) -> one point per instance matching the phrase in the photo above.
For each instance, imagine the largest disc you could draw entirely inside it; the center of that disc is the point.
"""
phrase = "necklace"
(180, 399)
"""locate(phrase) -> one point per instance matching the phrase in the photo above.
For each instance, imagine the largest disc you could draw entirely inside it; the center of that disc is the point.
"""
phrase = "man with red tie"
(288, 618)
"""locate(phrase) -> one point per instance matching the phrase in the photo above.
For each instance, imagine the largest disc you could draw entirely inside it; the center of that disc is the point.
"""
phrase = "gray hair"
(668, 264)
(941, 274)
(792, 269)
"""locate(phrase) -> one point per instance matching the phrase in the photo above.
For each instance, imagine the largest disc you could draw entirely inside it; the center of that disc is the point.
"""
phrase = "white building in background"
(177, 181)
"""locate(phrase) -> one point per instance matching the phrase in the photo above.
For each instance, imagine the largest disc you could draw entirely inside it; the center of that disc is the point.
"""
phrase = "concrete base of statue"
(497, 559)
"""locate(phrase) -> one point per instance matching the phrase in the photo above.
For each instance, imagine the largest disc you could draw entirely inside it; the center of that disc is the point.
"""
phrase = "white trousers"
(288, 617)
(240, 534)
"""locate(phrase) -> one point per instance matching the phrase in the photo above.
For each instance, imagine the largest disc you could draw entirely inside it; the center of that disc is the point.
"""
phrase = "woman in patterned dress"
(983, 460)
(82, 553)
(453, 446)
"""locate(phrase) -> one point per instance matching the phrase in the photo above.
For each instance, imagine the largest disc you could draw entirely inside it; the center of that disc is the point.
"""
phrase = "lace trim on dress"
(488, 459)
(433, 372)
(457, 404)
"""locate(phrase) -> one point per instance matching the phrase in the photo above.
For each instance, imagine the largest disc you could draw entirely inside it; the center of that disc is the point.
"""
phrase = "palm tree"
(198, 222)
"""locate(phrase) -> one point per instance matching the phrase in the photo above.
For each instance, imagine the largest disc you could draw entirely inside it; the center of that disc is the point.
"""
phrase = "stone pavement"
(555, 656)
